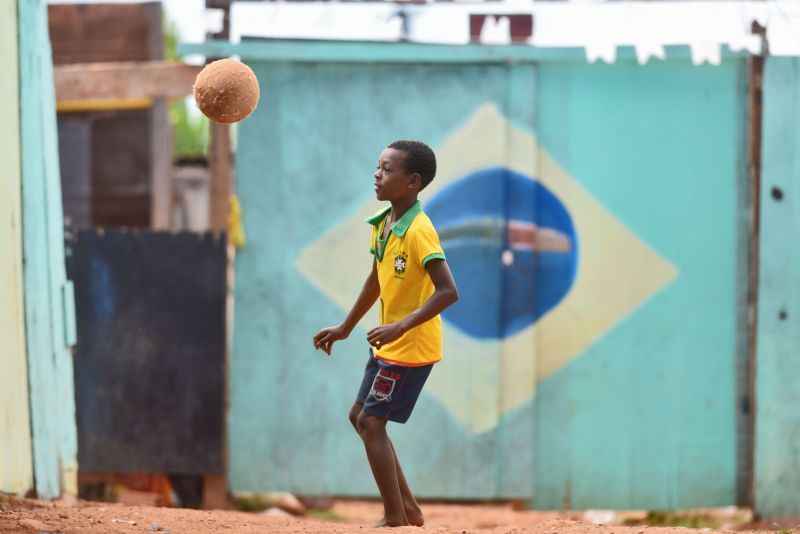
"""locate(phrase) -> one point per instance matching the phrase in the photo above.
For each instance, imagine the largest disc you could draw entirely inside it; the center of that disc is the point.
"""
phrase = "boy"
(411, 277)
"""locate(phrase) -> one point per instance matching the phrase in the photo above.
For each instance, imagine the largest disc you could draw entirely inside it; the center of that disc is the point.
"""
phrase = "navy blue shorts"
(391, 391)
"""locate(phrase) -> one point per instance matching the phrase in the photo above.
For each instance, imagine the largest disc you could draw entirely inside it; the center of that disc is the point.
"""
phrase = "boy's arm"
(445, 295)
(326, 337)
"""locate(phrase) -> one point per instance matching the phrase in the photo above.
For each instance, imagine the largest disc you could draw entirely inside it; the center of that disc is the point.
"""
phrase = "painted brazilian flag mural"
(514, 226)
(593, 237)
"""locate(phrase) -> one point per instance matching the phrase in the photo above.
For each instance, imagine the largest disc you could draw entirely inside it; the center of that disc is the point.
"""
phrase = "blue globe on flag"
(512, 247)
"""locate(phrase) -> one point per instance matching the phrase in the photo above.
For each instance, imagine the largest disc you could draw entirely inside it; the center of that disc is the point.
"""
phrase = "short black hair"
(419, 158)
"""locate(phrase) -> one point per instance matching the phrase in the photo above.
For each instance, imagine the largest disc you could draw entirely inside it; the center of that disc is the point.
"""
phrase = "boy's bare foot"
(413, 513)
(415, 517)
(385, 524)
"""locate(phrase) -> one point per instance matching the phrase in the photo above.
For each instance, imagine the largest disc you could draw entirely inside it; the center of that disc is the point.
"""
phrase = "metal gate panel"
(150, 360)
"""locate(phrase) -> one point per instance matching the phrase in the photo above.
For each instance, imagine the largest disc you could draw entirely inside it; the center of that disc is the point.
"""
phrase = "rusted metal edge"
(755, 76)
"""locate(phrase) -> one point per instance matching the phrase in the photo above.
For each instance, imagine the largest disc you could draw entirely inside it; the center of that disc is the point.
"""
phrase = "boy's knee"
(353, 415)
(369, 425)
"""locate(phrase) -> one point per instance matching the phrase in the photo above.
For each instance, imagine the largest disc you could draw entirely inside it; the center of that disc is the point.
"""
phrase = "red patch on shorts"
(384, 384)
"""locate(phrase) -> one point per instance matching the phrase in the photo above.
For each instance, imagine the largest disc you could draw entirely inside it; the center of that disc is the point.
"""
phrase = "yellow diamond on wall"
(481, 379)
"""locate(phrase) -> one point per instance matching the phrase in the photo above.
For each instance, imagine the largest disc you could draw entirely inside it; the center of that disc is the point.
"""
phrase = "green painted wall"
(777, 440)
(621, 396)
(48, 295)
(16, 467)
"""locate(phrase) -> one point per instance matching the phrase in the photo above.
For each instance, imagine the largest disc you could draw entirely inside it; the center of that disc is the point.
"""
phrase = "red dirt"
(26, 516)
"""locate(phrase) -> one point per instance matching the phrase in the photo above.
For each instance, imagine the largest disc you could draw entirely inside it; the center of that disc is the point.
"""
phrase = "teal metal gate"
(589, 213)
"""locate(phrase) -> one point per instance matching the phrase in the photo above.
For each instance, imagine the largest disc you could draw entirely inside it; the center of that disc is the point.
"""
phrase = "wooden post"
(215, 493)
(161, 150)
(219, 156)
(755, 74)
(221, 176)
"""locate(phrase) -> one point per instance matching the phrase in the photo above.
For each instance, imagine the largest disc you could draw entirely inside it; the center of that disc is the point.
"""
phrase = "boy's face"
(392, 179)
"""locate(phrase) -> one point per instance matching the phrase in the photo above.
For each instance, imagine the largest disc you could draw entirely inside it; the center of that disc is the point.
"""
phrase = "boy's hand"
(326, 337)
(380, 336)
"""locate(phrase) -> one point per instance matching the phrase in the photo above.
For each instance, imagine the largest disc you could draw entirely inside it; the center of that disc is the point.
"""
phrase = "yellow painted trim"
(69, 479)
(74, 106)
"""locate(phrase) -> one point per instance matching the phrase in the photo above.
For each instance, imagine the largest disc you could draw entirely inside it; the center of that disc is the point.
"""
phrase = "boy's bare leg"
(380, 454)
(413, 512)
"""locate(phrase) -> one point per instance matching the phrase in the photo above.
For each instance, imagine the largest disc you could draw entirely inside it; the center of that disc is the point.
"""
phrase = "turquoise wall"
(777, 440)
(622, 394)
(49, 317)
(646, 416)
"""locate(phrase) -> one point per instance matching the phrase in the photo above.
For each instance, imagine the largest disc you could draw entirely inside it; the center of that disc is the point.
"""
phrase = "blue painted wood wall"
(48, 295)
(624, 395)
(646, 417)
(777, 440)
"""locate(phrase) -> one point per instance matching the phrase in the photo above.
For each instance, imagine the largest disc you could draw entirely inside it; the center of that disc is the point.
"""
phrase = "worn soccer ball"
(226, 91)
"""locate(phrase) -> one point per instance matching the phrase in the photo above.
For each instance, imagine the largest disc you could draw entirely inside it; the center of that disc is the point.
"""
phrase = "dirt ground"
(28, 516)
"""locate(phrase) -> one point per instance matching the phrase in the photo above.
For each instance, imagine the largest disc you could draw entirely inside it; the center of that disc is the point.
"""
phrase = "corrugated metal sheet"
(150, 362)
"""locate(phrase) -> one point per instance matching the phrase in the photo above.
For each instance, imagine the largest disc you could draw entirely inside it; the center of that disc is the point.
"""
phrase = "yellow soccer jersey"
(405, 284)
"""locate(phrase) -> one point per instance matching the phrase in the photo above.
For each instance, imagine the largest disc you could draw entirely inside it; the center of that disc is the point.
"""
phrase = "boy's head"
(404, 169)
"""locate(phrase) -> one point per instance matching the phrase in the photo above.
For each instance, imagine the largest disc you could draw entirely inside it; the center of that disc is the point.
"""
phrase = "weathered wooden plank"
(74, 152)
(221, 173)
(105, 104)
(122, 169)
(83, 33)
(49, 359)
(124, 80)
(777, 440)
(161, 152)
(16, 462)
(115, 72)
(749, 212)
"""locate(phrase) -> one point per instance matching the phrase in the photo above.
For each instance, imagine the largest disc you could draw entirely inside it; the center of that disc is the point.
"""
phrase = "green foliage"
(170, 41)
(191, 132)
(676, 519)
(250, 503)
(325, 515)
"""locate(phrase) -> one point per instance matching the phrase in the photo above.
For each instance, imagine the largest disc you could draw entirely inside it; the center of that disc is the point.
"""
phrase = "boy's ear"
(416, 179)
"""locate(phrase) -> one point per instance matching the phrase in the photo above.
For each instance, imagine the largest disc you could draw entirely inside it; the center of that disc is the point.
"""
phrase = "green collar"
(400, 226)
